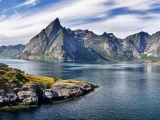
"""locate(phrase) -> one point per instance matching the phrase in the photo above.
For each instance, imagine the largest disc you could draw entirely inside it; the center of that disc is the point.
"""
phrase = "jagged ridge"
(56, 43)
(11, 51)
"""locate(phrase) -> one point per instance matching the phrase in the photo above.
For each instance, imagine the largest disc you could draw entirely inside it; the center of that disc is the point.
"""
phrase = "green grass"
(16, 78)
(27, 53)
(17, 108)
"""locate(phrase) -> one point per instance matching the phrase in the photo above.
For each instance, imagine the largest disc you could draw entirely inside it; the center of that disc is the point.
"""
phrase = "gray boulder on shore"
(33, 95)
(67, 90)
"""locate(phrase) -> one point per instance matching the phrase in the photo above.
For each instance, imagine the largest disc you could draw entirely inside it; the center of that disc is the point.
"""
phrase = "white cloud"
(20, 28)
(135, 4)
(124, 25)
(26, 3)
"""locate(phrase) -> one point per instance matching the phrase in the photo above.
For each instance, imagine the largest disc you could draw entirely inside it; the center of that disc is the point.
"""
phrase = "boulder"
(28, 95)
(7, 95)
(67, 90)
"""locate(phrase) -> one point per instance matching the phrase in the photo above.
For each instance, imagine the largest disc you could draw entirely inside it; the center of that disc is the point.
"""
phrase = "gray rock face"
(107, 46)
(33, 94)
(27, 94)
(153, 46)
(67, 90)
(7, 95)
(139, 41)
(135, 44)
(55, 43)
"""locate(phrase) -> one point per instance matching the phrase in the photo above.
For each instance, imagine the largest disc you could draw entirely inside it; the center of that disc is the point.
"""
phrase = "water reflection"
(153, 68)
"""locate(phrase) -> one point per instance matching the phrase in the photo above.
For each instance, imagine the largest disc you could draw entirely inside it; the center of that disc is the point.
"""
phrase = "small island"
(20, 90)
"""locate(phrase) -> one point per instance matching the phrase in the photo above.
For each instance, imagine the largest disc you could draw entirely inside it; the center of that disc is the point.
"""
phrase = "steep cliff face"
(38, 45)
(105, 45)
(56, 43)
(135, 45)
(153, 46)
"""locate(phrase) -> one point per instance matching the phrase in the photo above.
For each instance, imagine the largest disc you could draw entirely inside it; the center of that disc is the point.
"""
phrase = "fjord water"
(127, 91)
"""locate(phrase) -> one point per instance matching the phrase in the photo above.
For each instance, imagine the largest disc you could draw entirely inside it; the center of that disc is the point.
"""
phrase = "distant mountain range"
(11, 51)
(56, 43)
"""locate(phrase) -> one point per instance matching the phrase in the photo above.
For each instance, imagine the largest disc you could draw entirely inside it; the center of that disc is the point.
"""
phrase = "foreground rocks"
(18, 89)
(34, 94)
(67, 90)
(7, 95)
(28, 95)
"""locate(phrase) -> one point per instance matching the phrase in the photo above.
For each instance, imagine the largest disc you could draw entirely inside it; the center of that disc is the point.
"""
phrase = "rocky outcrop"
(27, 94)
(7, 95)
(33, 94)
(67, 90)
(20, 89)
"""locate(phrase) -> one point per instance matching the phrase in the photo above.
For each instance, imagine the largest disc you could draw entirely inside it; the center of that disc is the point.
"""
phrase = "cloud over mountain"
(121, 17)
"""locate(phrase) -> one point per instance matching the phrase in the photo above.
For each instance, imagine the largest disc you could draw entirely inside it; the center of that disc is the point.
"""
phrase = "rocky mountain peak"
(138, 35)
(56, 22)
(156, 34)
(56, 43)
(143, 33)
(153, 46)
(138, 42)
(52, 29)
(108, 34)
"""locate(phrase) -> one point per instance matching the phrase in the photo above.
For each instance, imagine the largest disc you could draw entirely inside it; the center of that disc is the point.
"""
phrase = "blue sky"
(20, 20)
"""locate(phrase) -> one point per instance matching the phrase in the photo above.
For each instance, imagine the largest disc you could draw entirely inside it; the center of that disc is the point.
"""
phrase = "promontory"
(18, 89)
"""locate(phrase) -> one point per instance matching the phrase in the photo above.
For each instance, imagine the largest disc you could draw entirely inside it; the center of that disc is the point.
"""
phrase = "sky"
(21, 20)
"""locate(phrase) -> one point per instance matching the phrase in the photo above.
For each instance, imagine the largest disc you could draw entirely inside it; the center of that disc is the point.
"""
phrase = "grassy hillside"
(16, 77)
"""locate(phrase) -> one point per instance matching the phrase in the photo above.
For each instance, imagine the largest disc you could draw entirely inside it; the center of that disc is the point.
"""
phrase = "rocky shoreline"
(31, 90)
(34, 94)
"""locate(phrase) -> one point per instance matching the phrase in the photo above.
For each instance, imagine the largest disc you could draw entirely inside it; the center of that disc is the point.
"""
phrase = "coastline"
(22, 91)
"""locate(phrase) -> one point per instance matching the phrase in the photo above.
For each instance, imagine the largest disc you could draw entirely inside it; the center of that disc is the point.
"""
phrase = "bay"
(128, 90)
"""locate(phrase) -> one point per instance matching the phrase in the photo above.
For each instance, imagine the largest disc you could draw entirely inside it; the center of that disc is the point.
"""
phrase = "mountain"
(56, 43)
(107, 46)
(153, 46)
(135, 45)
(11, 51)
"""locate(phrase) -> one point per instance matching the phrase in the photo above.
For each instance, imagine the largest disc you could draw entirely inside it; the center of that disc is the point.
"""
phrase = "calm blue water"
(127, 91)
